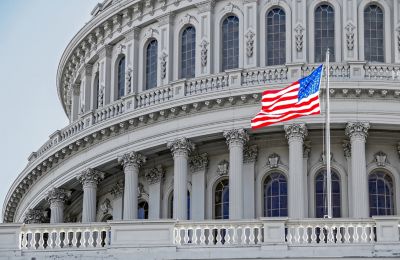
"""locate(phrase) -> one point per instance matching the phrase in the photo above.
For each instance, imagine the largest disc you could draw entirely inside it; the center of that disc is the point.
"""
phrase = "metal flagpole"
(328, 140)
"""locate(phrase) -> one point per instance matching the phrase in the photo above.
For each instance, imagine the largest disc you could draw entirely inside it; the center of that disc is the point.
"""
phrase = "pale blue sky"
(33, 35)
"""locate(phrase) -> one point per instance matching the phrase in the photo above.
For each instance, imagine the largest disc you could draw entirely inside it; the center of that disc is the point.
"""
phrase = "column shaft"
(89, 203)
(180, 185)
(130, 193)
(57, 212)
(359, 179)
(236, 181)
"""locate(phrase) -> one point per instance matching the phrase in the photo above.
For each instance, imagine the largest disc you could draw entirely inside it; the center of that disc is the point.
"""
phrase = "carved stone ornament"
(398, 38)
(204, 52)
(274, 160)
(132, 159)
(250, 35)
(398, 149)
(180, 146)
(150, 33)
(117, 189)
(350, 36)
(223, 168)
(100, 96)
(57, 195)
(141, 191)
(322, 157)
(250, 154)
(163, 63)
(357, 130)
(380, 159)
(299, 37)
(188, 19)
(105, 207)
(121, 49)
(346, 148)
(229, 8)
(90, 177)
(155, 175)
(296, 131)
(128, 80)
(198, 162)
(34, 216)
(306, 149)
(236, 136)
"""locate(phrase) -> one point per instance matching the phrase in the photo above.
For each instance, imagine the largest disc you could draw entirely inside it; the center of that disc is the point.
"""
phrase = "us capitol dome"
(159, 162)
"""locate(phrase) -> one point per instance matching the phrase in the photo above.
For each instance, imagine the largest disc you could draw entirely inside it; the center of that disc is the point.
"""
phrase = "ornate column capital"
(180, 146)
(198, 162)
(296, 131)
(132, 159)
(236, 137)
(34, 216)
(155, 175)
(117, 190)
(58, 195)
(90, 177)
(357, 130)
(250, 154)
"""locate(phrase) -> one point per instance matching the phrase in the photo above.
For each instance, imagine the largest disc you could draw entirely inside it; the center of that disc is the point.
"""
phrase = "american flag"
(299, 99)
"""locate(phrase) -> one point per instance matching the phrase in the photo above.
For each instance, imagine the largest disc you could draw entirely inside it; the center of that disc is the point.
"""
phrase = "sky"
(33, 36)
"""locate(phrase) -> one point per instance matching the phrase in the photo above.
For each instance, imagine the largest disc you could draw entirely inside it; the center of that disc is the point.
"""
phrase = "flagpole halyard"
(328, 139)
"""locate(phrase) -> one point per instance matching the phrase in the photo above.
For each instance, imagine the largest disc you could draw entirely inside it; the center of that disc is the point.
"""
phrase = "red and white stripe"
(282, 104)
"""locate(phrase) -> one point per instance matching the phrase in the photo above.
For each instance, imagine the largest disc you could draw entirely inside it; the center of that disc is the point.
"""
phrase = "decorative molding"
(128, 80)
(132, 159)
(250, 35)
(117, 190)
(163, 65)
(223, 168)
(105, 207)
(198, 162)
(346, 148)
(296, 131)
(204, 52)
(250, 154)
(155, 175)
(236, 136)
(357, 130)
(188, 19)
(228, 8)
(181, 146)
(150, 33)
(273, 160)
(350, 36)
(121, 49)
(306, 149)
(90, 177)
(398, 38)
(299, 37)
(380, 158)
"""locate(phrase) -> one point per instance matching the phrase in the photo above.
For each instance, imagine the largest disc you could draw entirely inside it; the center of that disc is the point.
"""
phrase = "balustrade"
(265, 75)
(110, 111)
(154, 96)
(207, 84)
(382, 72)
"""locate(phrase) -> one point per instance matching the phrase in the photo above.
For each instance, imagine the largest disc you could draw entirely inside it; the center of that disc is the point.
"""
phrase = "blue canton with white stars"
(310, 85)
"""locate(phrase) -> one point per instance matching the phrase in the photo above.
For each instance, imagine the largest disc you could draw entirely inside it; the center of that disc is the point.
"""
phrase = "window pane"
(188, 52)
(121, 77)
(221, 202)
(321, 195)
(151, 64)
(381, 194)
(230, 43)
(275, 37)
(373, 33)
(324, 25)
(275, 195)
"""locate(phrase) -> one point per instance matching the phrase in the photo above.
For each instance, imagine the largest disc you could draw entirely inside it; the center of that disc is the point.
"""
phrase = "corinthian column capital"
(58, 195)
(198, 162)
(296, 131)
(357, 130)
(155, 175)
(90, 177)
(181, 146)
(236, 137)
(34, 216)
(132, 159)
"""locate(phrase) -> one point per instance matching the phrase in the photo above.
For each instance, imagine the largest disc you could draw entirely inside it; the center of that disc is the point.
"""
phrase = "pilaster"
(299, 36)
(295, 134)
(205, 52)
(250, 30)
(117, 191)
(86, 80)
(154, 178)
(132, 61)
(105, 75)
(165, 50)
(250, 154)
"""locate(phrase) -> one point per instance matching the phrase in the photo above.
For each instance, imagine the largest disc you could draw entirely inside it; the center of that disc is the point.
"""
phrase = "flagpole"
(328, 140)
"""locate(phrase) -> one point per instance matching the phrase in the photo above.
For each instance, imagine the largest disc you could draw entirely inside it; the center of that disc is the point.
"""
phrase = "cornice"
(63, 150)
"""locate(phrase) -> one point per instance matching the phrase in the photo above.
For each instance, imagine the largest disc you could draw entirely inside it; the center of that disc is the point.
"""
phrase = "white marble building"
(158, 161)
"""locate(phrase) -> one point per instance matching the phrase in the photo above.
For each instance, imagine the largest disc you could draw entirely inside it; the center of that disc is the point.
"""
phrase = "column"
(235, 139)
(358, 132)
(198, 166)
(89, 178)
(180, 148)
(131, 163)
(295, 133)
(249, 160)
(117, 190)
(57, 197)
(154, 178)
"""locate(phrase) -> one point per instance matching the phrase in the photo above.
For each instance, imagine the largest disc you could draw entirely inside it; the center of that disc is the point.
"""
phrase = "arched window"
(188, 52)
(221, 202)
(275, 196)
(99, 99)
(230, 43)
(321, 198)
(373, 33)
(275, 24)
(151, 64)
(121, 77)
(381, 194)
(143, 210)
(324, 32)
(171, 205)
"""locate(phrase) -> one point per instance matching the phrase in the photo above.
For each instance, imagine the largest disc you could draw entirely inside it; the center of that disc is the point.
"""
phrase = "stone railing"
(274, 75)
(218, 233)
(48, 237)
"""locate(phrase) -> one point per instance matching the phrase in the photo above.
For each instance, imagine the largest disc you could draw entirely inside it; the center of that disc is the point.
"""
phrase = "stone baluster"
(180, 148)
(295, 134)
(131, 163)
(89, 178)
(57, 197)
(358, 132)
(236, 139)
